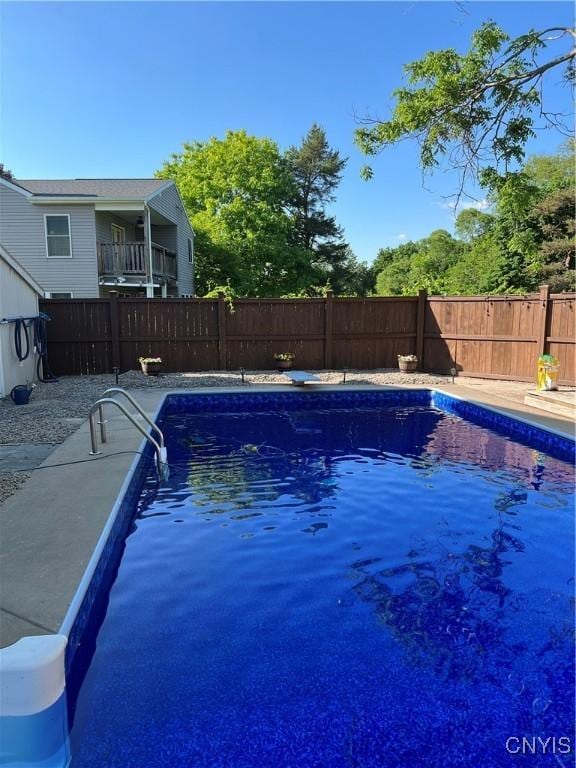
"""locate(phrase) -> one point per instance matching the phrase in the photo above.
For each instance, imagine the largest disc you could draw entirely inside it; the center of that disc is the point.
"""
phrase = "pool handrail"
(161, 455)
(140, 410)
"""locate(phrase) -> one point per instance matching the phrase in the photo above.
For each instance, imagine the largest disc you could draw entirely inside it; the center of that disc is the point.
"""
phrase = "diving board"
(299, 378)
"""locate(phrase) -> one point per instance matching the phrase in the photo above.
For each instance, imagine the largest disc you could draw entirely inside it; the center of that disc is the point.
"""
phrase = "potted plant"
(407, 363)
(283, 360)
(151, 366)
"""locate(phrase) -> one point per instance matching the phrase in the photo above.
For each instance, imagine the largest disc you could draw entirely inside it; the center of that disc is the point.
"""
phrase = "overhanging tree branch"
(477, 108)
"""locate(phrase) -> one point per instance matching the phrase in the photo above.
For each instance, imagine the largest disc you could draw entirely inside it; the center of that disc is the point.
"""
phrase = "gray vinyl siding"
(168, 204)
(22, 233)
(166, 236)
(104, 221)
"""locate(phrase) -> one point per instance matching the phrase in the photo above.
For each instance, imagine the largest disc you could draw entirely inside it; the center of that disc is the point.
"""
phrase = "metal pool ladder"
(159, 447)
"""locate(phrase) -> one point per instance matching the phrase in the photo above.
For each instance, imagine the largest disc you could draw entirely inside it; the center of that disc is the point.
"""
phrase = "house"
(19, 294)
(85, 238)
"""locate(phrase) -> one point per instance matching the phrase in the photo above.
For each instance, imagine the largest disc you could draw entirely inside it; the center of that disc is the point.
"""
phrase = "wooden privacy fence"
(488, 336)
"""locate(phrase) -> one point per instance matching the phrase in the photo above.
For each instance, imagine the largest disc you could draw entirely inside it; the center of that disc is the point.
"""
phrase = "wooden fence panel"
(371, 333)
(484, 336)
(79, 335)
(560, 334)
(183, 332)
(257, 329)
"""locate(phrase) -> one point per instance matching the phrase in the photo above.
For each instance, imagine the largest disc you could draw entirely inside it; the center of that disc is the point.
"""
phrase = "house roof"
(118, 189)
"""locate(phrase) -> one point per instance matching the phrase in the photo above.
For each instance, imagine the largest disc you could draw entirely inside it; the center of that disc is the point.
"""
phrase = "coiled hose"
(21, 333)
(43, 370)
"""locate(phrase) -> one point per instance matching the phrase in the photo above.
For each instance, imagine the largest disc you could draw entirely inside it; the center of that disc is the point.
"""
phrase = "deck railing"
(131, 259)
(163, 261)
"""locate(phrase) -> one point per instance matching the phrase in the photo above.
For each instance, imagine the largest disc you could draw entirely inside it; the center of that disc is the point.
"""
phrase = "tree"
(528, 239)
(436, 254)
(5, 173)
(479, 269)
(391, 280)
(316, 171)
(476, 109)
(554, 217)
(235, 191)
(534, 219)
(471, 224)
(552, 172)
(387, 256)
(412, 266)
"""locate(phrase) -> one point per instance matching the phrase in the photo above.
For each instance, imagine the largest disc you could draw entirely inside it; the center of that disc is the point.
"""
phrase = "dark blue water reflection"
(380, 587)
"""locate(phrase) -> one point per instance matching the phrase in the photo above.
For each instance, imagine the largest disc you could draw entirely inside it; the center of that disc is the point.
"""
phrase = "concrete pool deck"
(50, 527)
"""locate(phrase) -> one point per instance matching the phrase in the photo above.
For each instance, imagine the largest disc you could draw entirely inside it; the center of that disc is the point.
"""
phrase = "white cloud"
(401, 236)
(478, 205)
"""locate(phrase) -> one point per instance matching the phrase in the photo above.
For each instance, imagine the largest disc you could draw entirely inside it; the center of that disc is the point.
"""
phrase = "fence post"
(115, 330)
(221, 332)
(420, 323)
(328, 325)
(544, 300)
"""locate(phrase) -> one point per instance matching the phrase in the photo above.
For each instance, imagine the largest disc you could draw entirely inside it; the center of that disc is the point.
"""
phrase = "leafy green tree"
(386, 256)
(554, 218)
(479, 269)
(235, 190)
(391, 280)
(5, 173)
(317, 171)
(412, 266)
(552, 172)
(527, 240)
(471, 223)
(477, 109)
(436, 254)
(535, 223)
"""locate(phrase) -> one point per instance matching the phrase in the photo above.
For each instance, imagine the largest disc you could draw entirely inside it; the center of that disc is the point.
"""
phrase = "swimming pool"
(332, 579)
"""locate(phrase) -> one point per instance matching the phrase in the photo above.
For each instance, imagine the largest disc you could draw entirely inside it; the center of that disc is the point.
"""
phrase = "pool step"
(560, 403)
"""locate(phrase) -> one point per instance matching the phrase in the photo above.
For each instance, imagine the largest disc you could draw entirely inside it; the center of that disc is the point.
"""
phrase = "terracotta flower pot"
(151, 369)
(407, 366)
(283, 365)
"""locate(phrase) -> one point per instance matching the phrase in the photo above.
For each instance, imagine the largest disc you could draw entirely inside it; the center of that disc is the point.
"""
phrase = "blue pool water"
(373, 587)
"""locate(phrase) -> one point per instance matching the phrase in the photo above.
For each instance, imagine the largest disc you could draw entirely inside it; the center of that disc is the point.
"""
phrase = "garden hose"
(43, 370)
(21, 329)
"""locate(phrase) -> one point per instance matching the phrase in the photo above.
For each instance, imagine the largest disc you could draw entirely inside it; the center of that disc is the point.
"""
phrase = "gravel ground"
(57, 410)
(10, 482)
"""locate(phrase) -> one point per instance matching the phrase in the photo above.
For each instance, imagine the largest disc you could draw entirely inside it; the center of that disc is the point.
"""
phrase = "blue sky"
(112, 89)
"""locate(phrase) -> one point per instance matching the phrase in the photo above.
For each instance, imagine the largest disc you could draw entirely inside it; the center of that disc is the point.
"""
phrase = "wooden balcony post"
(148, 250)
(116, 258)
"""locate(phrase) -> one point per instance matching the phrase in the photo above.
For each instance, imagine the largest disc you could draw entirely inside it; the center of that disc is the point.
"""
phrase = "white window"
(58, 245)
(58, 295)
(190, 250)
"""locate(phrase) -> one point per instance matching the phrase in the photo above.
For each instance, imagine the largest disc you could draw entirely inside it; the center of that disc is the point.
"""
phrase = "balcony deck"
(130, 260)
